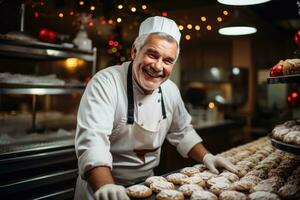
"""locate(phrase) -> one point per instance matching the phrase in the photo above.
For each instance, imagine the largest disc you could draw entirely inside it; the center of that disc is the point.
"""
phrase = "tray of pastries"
(264, 173)
(286, 136)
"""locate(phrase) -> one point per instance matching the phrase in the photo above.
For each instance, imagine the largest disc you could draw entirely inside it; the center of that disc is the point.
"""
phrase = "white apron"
(135, 150)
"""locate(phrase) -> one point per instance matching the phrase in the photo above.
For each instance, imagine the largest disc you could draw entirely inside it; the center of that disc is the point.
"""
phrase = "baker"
(126, 113)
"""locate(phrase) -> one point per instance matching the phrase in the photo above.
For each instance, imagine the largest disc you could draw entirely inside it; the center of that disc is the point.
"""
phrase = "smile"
(148, 70)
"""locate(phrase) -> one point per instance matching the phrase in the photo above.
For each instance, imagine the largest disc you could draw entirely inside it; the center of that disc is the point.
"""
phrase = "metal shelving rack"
(284, 79)
(42, 169)
(42, 51)
(290, 148)
(45, 169)
(288, 79)
(35, 89)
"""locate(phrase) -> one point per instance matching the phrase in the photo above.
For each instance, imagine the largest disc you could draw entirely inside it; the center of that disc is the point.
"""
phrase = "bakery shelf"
(44, 51)
(284, 79)
(41, 89)
(290, 148)
(41, 50)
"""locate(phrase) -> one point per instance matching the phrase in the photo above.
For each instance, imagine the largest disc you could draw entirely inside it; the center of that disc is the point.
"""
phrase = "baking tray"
(290, 148)
(41, 89)
(284, 79)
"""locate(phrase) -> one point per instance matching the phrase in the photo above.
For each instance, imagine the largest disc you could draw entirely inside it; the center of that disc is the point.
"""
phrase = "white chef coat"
(103, 137)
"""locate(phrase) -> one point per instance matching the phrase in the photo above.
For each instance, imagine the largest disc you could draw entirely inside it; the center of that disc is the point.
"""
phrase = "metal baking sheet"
(284, 79)
(290, 148)
(33, 89)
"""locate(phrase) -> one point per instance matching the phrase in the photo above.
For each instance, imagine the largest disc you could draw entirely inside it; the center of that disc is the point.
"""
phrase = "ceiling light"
(237, 30)
(236, 71)
(220, 99)
(237, 26)
(241, 2)
(215, 72)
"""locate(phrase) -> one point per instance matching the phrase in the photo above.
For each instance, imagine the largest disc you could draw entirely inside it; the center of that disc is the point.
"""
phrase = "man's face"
(153, 64)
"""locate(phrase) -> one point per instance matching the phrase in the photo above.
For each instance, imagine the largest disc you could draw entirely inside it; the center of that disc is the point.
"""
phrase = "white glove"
(111, 192)
(212, 162)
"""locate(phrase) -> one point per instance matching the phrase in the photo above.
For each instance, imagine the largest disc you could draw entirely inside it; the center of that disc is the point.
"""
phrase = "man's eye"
(168, 62)
(152, 55)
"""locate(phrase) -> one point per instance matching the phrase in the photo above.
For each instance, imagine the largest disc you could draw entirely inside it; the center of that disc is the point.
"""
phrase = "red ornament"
(37, 14)
(272, 73)
(297, 38)
(276, 70)
(279, 69)
(116, 43)
(294, 99)
(111, 42)
(102, 21)
(47, 35)
(110, 21)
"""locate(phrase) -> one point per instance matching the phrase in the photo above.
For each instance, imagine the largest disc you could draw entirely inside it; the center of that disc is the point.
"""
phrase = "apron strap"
(130, 100)
(130, 106)
(162, 103)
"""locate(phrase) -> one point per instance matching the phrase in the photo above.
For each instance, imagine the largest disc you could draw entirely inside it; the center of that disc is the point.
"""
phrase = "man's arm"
(101, 181)
(201, 154)
(99, 176)
(198, 152)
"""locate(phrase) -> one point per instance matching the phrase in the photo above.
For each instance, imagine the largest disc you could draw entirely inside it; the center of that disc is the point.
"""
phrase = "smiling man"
(126, 113)
(153, 64)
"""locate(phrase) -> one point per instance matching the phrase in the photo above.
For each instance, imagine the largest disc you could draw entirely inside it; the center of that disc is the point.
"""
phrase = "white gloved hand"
(111, 192)
(212, 162)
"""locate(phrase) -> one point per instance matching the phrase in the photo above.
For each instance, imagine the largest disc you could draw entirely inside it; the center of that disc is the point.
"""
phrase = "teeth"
(152, 73)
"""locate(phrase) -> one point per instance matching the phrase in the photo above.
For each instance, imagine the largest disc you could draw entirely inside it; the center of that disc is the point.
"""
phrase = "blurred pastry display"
(285, 68)
(264, 173)
(50, 79)
(286, 136)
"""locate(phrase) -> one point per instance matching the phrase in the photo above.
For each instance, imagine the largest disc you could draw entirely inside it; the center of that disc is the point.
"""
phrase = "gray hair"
(140, 41)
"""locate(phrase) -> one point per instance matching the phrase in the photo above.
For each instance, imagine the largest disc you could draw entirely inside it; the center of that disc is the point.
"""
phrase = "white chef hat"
(160, 24)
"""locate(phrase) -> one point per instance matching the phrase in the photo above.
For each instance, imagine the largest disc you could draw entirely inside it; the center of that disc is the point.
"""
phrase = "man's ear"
(133, 52)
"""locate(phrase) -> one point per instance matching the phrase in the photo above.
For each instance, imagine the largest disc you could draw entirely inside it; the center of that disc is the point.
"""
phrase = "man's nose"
(158, 65)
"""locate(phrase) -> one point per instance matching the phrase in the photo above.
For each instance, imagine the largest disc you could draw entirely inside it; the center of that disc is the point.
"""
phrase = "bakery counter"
(39, 169)
(205, 126)
(217, 137)
(229, 133)
(36, 143)
(264, 172)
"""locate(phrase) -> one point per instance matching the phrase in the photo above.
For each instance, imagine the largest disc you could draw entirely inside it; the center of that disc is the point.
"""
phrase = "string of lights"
(121, 12)
(115, 15)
